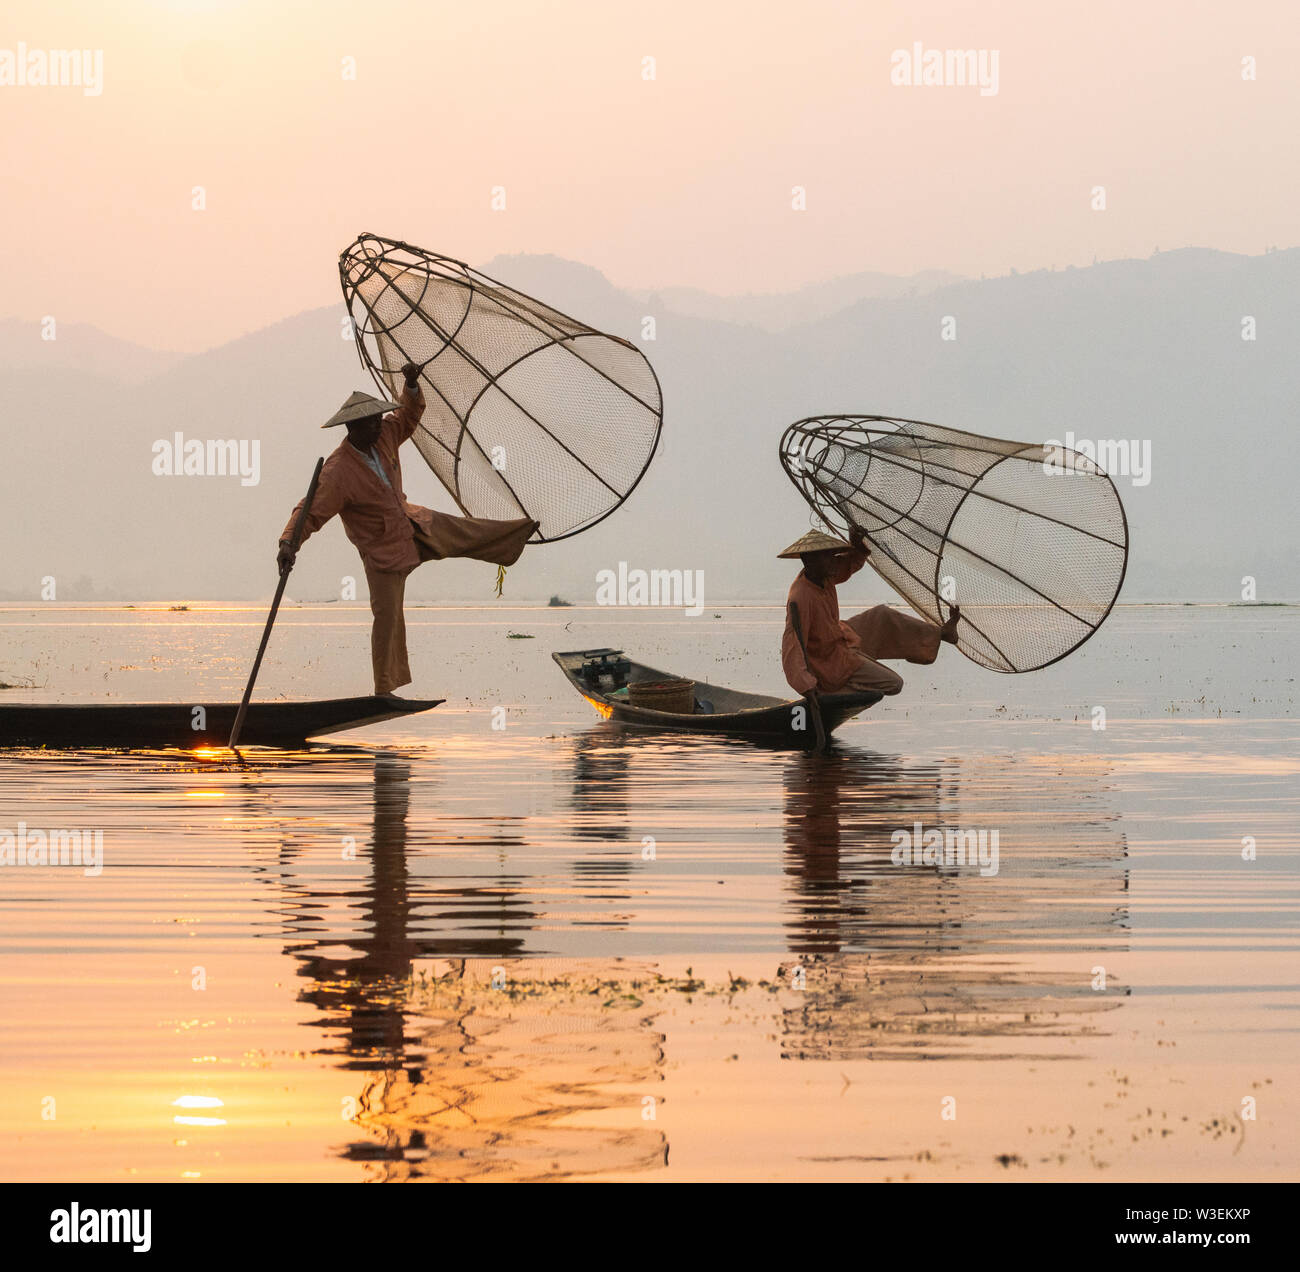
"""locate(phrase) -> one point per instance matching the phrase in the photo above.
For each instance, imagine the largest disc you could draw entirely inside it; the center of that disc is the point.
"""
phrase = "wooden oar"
(275, 604)
(814, 706)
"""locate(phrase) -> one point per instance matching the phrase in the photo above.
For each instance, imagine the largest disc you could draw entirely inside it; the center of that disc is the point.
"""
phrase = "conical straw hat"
(360, 406)
(814, 541)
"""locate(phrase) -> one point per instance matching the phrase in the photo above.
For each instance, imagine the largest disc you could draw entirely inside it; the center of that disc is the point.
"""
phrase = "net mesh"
(528, 412)
(1031, 541)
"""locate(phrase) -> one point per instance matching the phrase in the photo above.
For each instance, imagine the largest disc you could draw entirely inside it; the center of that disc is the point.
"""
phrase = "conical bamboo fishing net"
(1030, 541)
(528, 412)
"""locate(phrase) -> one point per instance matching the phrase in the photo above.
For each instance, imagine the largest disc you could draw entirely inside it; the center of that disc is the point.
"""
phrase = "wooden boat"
(598, 674)
(154, 725)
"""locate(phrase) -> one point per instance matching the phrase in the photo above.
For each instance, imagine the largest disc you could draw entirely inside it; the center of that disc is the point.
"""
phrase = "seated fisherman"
(361, 482)
(838, 657)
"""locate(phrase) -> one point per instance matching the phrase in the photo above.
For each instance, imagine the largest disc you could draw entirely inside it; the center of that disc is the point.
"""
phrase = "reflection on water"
(1060, 869)
(476, 1063)
(860, 1008)
(482, 948)
(900, 1000)
(839, 813)
(464, 1084)
(493, 1084)
(562, 951)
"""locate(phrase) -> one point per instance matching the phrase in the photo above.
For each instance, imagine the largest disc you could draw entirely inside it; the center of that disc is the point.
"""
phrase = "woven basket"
(675, 696)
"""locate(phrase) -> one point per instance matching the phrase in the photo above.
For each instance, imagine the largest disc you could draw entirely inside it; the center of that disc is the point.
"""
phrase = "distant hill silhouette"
(78, 347)
(779, 311)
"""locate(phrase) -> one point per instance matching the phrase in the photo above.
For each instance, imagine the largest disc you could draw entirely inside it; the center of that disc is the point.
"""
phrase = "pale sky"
(681, 180)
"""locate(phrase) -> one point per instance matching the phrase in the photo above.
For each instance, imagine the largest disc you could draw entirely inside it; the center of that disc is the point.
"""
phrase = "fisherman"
(362, 482)
(836, 657)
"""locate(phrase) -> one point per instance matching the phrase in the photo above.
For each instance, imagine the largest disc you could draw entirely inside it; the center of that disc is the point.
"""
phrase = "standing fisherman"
(838, 657)
(362, 482)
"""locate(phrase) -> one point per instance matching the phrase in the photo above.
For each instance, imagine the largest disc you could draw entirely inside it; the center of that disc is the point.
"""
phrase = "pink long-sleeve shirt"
(834, 651)
(375, 514)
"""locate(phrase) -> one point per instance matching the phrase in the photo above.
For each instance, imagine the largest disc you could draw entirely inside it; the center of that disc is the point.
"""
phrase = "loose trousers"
(499, 542)
(888, 633)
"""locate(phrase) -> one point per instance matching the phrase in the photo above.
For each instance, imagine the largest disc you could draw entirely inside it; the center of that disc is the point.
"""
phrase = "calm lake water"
(562, 950)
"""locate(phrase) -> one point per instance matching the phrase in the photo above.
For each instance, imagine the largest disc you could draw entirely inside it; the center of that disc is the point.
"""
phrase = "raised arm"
(410, 406)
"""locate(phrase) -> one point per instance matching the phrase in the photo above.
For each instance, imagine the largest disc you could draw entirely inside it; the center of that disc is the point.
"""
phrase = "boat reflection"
(599, 815)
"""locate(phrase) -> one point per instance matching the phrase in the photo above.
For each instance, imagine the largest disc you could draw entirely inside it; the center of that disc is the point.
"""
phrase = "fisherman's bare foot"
(948, 631)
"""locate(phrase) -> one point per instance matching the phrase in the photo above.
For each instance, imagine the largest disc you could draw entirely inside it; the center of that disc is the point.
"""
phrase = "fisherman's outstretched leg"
(388, 630)
(480, 538)
(889, 633)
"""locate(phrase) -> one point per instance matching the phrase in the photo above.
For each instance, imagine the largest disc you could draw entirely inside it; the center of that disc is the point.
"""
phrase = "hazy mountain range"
(778, 311)
(1139, 349)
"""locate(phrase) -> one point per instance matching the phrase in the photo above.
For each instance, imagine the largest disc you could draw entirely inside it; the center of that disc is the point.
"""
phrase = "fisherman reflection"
(877, 947)
(359, 990)
(841, 809)
(464, 1082)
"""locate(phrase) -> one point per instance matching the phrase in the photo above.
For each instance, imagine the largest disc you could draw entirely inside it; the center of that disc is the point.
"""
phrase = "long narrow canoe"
(154, 725)
(717, 709)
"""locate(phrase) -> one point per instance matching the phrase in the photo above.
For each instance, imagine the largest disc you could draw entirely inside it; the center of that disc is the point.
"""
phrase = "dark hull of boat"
(772, 720)
(159, 725)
